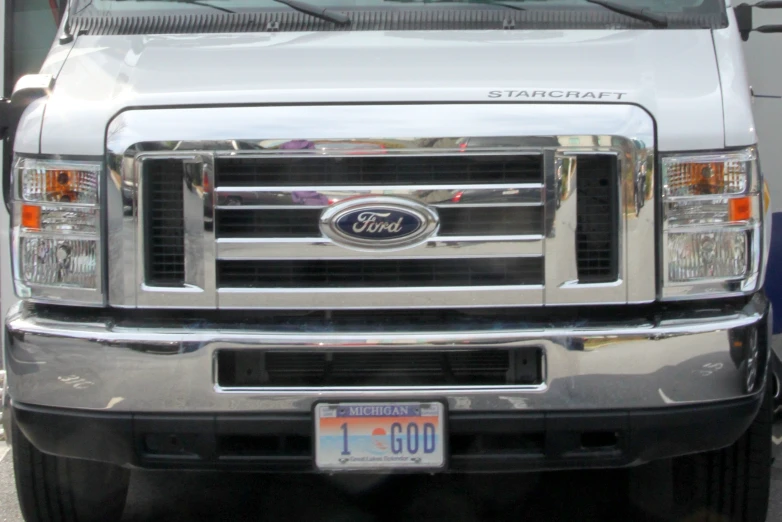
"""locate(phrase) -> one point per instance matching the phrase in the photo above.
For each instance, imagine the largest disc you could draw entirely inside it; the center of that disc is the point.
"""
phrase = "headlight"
(712, 221)
(56, 231)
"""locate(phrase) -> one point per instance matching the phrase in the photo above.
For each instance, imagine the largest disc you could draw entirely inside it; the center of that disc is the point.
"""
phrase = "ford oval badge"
(378, 222)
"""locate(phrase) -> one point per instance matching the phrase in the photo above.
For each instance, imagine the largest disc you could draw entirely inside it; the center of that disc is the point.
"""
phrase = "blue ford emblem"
(378, 222)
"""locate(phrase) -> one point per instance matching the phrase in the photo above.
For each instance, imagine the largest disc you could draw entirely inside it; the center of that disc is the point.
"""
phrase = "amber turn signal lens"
(61, 185)
(689, 176)
(740, 209)
(31, 217)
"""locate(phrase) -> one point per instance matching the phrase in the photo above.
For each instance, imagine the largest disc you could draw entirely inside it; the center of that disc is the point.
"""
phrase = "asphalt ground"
(542, 497)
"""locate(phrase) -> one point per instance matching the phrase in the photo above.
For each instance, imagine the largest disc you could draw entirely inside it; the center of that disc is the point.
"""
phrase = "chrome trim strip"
(592, 365)
(122, 223)
(638, 207)
(193, 210)
(399, 297)
(295, 248)
(350, 148)
(623, 130)
(226, 206)
(237, 198)
(560, 248)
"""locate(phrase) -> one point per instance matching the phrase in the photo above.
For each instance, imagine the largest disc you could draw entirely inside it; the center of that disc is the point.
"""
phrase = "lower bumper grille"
(243, 368)
(380, 273)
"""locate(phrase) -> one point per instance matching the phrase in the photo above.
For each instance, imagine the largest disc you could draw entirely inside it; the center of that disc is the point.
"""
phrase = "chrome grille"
(525, 219)
(486, 195)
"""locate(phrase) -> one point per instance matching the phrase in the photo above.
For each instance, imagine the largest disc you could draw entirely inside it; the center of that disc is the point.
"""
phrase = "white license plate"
(379, 436)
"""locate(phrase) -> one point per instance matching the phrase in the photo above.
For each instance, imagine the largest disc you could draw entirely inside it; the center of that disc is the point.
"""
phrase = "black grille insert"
(378, 170)
(597, 214)
(490, 221)
(380, 273)
(454, 221)
(164, 219)
(477, 366)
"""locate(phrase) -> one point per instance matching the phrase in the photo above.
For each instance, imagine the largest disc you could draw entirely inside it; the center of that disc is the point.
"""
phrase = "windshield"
(134, 6)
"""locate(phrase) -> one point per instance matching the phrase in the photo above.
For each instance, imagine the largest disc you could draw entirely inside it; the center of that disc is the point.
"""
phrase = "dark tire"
(728, 485)
(60, 489)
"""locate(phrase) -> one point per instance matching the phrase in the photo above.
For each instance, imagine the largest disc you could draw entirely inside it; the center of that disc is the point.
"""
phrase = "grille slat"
(378, 170)
(380, 273)
(165, 256)
(477, 366)
(454, 221)
(597, 215)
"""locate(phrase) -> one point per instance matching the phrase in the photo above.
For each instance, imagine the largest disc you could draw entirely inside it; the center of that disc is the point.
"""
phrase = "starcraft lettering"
(558, 95)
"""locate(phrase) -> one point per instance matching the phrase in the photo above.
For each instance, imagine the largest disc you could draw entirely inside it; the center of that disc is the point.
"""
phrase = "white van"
(386, 236)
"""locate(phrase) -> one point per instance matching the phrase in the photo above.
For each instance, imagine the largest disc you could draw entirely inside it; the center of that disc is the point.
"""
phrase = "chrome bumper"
(683, 357)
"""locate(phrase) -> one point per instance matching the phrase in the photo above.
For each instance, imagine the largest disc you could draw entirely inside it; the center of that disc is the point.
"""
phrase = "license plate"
(379, 436)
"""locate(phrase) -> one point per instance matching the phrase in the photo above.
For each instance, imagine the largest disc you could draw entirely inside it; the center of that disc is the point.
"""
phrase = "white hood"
(673, 74)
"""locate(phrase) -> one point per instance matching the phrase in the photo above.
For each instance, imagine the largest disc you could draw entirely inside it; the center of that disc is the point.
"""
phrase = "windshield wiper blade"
(303, 7)
(471, 2)
(202, 3)
(656, 19)
(318, 12)
(501, 4)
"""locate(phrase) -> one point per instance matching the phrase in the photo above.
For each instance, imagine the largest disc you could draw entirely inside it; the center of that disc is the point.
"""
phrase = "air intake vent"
(597, 230)
(378, 170)
(380, 273)
(477, 366)
(163, 193)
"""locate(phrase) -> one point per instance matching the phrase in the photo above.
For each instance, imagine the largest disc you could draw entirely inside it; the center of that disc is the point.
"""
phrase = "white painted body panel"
(692, 82)
(673, 74)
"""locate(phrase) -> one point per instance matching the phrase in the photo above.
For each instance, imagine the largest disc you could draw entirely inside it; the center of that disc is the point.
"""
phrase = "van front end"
(391, 247)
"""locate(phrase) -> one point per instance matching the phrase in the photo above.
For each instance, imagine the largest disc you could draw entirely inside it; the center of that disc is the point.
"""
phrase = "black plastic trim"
(384, 18)
(487, 441)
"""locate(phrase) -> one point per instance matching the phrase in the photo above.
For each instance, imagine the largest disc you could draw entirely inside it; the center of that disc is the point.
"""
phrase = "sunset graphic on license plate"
(379, 435)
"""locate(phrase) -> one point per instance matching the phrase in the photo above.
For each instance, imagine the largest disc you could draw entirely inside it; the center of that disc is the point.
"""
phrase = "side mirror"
(744, 18)
(5, 117)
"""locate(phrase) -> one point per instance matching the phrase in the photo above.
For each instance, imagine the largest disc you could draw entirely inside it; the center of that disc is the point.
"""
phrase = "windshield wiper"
(501, 4)
(656, 19)
(303, 7)
(202, 3)
(318, 12)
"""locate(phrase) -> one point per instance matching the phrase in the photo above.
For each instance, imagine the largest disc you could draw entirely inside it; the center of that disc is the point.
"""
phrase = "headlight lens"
(718, 255)
(56, 231)
(63, 263)
(712, 218)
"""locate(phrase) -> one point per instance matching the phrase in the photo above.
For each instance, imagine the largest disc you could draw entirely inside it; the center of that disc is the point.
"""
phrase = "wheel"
(776, 382)
(66, 490)
(728, 485)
